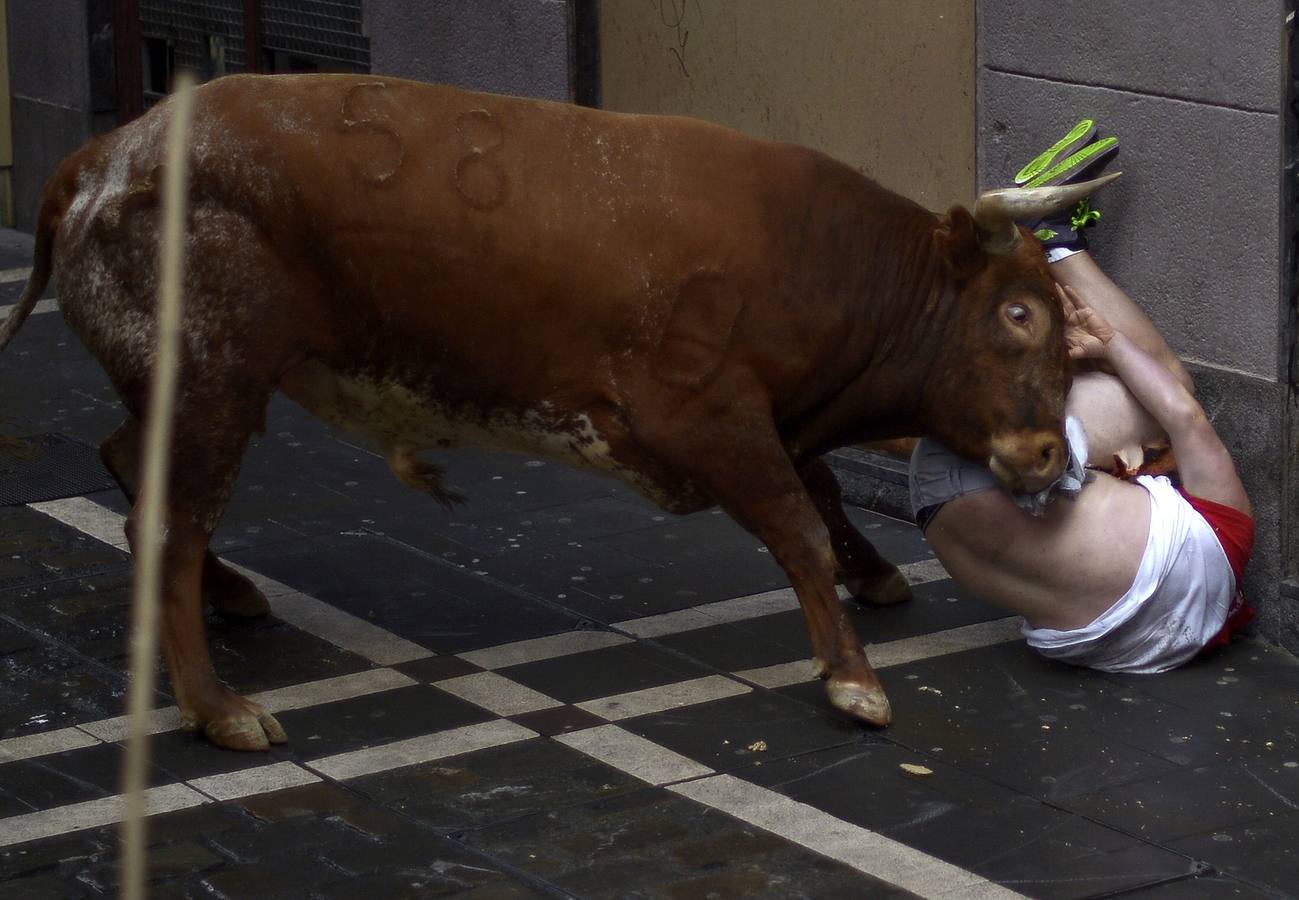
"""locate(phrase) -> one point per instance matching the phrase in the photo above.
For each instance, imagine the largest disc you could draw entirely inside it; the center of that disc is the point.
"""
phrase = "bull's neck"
(894, 327)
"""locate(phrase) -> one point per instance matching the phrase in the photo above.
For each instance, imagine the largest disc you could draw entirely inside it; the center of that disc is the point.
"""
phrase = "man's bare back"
(1059, 571)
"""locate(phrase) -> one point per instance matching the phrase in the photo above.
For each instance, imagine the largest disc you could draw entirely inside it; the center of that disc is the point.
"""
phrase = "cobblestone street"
(559, 690)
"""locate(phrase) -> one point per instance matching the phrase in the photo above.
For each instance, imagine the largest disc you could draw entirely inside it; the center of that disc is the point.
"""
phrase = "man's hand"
(1087, 334)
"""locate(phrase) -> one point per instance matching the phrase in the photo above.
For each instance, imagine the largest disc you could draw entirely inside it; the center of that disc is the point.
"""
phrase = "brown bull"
(697, 312)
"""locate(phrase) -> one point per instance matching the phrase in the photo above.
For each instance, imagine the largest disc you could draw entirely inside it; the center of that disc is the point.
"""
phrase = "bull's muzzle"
(1027, 463)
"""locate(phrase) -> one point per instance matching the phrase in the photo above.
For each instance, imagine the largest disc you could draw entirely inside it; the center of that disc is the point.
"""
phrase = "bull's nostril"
(1049, 456)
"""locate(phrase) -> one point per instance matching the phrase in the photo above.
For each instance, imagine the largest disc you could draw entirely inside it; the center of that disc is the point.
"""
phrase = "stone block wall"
(1193, 231)
(506, 46)
(50, 93)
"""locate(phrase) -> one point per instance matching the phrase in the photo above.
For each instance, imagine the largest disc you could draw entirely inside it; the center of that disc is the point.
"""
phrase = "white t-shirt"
(1176, 605)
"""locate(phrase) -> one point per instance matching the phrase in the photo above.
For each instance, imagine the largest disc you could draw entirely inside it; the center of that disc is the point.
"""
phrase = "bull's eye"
(1018, 313)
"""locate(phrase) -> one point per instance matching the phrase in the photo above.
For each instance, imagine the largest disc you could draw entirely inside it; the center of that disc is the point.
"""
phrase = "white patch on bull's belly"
(393, 414)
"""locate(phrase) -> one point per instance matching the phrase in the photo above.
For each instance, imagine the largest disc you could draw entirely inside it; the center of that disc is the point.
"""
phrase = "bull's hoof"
(231, 594)
(236, 724)
(866, 703)
(888, 591)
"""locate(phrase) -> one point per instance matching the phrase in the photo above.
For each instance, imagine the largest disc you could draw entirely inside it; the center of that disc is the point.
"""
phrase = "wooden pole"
(152, 498)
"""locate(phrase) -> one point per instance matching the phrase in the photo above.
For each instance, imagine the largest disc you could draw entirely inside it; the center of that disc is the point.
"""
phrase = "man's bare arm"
(1205, 465)
(1080, 273)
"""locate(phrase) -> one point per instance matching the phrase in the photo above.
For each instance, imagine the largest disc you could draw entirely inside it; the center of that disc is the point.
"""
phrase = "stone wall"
(883, 86)
(1193, 90)
(49, 83)
(507, 46)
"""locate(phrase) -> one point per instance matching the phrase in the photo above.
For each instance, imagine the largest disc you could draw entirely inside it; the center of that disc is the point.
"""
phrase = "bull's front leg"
(870, 578)
(800, 542)
(742, 465)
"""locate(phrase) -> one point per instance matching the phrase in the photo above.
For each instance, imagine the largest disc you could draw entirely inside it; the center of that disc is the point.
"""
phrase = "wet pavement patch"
(754, 729)
(736, 646)
(38, 550)
(408, 592)
(496, 785)
(603, 673)
(375, 719)
(649, 837)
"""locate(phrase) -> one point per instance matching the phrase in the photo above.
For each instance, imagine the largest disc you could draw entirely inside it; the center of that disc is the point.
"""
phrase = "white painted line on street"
(41, 307)
(345, 630)
(115, 729)
(294, 696)
(9, 276)
(538, 649)
(43, 743)
(942, 643)
(780, 675)
(615, 746)
(497, 694)
(89, 518)
(251, 782)
(668, 696)
(331, 690)
(329, 623)
(710, 614)
(754, 606)
(313, 616)
(923, 572)
(896, 653)
(422, 749)
(93, 814)
(860, 848)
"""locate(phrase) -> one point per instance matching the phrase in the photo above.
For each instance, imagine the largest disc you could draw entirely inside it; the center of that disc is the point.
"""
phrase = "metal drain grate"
(319, 29)
(49, 467)
(190, 24)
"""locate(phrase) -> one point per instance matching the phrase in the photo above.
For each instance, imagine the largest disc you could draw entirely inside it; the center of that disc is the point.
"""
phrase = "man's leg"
(1077, 156)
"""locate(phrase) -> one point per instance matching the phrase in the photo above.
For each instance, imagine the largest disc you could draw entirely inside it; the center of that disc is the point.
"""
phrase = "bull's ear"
(957, 241)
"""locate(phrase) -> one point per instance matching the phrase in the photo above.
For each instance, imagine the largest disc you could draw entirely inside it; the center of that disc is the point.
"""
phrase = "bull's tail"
(42, 266)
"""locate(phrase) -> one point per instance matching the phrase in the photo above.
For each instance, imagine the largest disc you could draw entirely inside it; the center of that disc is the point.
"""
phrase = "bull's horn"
(996, 212)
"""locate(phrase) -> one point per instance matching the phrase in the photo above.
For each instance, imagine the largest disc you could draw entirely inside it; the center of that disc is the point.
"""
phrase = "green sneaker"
(1076, 157)
(1077, 137)
(1079, 166)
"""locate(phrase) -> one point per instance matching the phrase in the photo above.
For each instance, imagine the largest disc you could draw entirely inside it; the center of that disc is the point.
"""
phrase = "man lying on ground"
(1121, 575)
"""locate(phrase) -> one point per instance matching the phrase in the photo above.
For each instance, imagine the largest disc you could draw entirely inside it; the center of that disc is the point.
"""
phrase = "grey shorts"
(938, 475)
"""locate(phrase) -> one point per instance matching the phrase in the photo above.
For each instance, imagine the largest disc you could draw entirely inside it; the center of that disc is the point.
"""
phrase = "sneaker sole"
(1069, 168)
(1076, 137)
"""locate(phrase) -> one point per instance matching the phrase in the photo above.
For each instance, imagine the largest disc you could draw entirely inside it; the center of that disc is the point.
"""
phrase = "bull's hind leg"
(743, 466)
(228, 592)
(214, 419)
(870, 578)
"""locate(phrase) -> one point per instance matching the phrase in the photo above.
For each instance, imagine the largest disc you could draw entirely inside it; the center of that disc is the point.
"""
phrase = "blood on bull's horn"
(996, 212)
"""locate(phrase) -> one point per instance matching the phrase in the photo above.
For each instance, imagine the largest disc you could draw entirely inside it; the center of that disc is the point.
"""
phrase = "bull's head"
(1003, 401)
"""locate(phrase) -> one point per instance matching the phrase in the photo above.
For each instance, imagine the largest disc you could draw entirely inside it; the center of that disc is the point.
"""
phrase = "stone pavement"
(558, 690)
